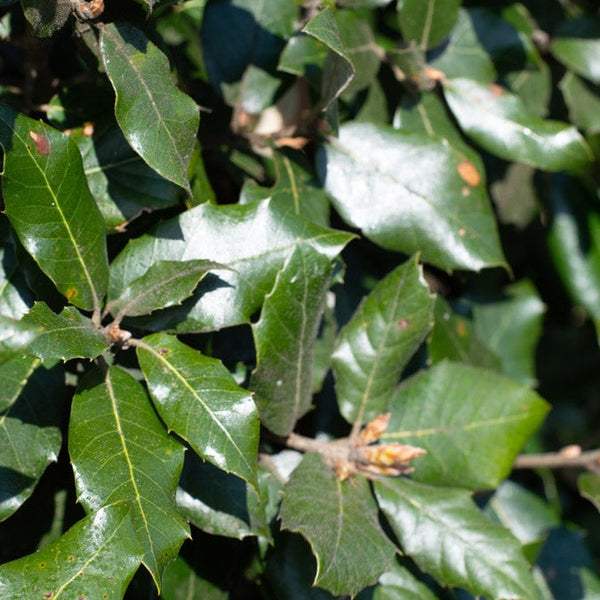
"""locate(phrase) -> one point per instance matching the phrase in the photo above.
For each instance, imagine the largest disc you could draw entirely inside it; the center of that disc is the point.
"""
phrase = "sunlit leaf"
(427, 22)
(577, 45)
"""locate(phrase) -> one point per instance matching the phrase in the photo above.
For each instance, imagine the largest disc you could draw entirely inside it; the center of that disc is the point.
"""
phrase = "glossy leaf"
(382, 336)
(122, 184)
(379, 180)
(338, 70)
(15, 296)
(339, 520)
(96, 558)
(577, 46)
(159, 121)
(498, 121)
(120, 451)
(447, 535)
(30, 427)
(253, 240)
(197, 398)
(181, 582)
(427, 23)
(472, 423)
(46, 17)
(15, 336)
(222, 504)
(285, 337)
(50, 206)
(399, 584)
(165, 283)
(64, 336)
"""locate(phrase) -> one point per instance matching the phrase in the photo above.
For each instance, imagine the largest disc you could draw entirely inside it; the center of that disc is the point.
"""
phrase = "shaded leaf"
(222, 504)
(198, 399)
(447, 535)
(46, 17)
(122, 184)
(499, 122)
(50, 206)
(64, 336)
(427, 23)
(159, 121)
(339, 520)
(181, 582)
(165, 283)
(379, 180)
(589, 487)
(382, 336)
(120, 451)
(253, 240)
(472, 423)
(338, 69)
(30, 421)
(400, 584)
(583, 102)
(96, 558)
(285, 337)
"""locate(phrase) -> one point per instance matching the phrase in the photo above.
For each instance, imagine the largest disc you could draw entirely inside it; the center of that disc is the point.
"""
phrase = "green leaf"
(472, 423)
(577, 45)
(49, 204)
(454, 337)
(589, 487)
(253, 240)
(379, 180)
(15, 336)
(198, 399)
(64, 336)
(447, 535)
(96, 558)
(427, 23)
(583, 101)
(15, 296)
(159, 121)
(120, 451)
(382, 336)
(122, 184)
(30, 421)
(181, 582)
(400, 584)
(222, 504)
(285, 337)
(46, 17)
(340, 522)
(165, 283)
(511, 328)
(499, 122)
(574, 241)
(338, 70)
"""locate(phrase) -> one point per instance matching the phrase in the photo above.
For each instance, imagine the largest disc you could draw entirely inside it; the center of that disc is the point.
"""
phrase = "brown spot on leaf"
(468, 173)
(403, 324)
(71, 293)
(163, 351)
(42, 143)
(71, 558)
(48, 595)
(462, 232)
(497, 90)
(461, 329)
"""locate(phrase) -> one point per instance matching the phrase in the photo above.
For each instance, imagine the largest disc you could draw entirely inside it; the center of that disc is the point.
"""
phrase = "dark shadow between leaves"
(13, 483)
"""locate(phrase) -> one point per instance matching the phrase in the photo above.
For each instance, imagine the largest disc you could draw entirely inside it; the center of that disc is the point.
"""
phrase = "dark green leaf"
(516, 196)
(511, 328)
(181, 582)
(159, 121)
(427, 22)
(15, 296)
(64, 336)
(50, 206)
(338, 70)
(583, 101)
(447, 535)
(120, 451)
(96, 558)
(46, 17)
(472, 423)
(589, 487)
(380, 181)
(165, 283)
(339, 520)
(577, 45)
(30, 421)
(285, 336)
(304, 56)
(15, 336)
(574, 242)
(499, 122)
(198, 399)
(254, 240)
(382, 336)
(122, 184)
(222, 504)
(400, 584)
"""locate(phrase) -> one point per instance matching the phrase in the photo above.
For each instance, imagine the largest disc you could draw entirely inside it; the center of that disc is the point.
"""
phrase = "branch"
(567, 457)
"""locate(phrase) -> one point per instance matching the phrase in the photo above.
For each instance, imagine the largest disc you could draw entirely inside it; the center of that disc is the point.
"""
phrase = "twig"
(568, 457)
